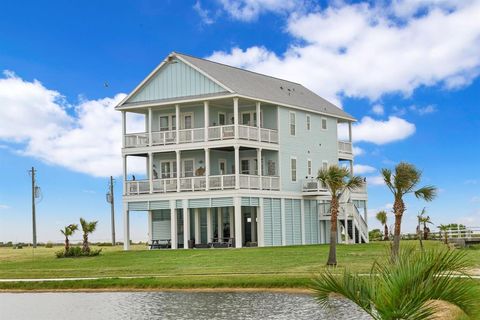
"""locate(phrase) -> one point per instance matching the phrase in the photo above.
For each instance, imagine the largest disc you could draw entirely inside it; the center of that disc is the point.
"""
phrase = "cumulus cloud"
(248, 10)
(375, 180)
(378, 109)
(382, 132)
(203, 13)
(85, 137)
(375, 53)
(357, 151)
(363, 169)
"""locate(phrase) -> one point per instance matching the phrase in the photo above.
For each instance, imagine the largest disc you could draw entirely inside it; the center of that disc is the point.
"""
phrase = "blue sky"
(407, 71)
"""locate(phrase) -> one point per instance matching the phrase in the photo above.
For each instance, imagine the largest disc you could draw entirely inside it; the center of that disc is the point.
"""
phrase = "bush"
(103, 244)
(49, 245)
(74, 252)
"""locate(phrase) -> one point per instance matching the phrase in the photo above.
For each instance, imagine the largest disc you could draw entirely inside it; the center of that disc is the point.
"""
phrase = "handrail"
(345, 147)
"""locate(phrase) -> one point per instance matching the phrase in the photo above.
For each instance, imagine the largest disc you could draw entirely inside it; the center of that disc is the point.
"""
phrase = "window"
(292, 123)
(246, 118)
(324, 123)
(271, 168)
(309, 167)
(324, 165)
(222, 166)
(245, 166)
(168, 169)
(293, 169)
(187, 120)
(308, 122)
(167, 122)
(222, 118)
(188, 168)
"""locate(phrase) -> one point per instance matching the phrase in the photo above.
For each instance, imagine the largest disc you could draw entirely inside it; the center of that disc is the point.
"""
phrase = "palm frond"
(427, 193)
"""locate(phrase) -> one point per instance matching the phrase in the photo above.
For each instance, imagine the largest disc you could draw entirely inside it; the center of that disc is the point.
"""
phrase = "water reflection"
(170, 305)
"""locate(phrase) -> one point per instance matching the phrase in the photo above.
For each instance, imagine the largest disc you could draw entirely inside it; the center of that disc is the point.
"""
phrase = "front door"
(187, 121)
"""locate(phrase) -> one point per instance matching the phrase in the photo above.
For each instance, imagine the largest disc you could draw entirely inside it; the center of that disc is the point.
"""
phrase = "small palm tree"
(402, 182)
(423, 219)
(87, 227)
(67, 232)
(405, 288)
(444, 228)
(337, 180)
(382, 217)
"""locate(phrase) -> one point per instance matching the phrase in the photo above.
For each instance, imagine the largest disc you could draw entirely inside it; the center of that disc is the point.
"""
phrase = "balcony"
(314, 186)
(345, 150)
(194, 184)
(215, 133)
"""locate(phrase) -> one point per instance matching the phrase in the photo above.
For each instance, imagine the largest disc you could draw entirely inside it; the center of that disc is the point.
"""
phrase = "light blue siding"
(312, 232)
(138, 206)
(161, 224)
(272, 222)
(199, 203)
(176, 80)
(293, 231)
(249, 201)
(222, 202)
(155, 205)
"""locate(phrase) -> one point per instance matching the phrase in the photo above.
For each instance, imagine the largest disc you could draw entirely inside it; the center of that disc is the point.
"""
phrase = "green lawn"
(249, 267)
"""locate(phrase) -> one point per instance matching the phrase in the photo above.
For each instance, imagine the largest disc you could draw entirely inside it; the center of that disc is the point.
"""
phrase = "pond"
(170, 305)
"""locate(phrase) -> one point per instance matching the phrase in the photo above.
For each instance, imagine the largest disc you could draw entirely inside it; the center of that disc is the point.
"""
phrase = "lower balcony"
(193, 184)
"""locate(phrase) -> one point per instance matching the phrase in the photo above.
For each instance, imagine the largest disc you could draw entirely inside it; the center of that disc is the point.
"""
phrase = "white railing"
(221, 182)
(138, 187)
(270, 183)
(164, 137)
(136, 140)
(345, 147)
(268, 135)
(313, 185)
(248, 181)
(247, 132)
(221, 132)
(165, 185)
(191, 135)
(193, 184)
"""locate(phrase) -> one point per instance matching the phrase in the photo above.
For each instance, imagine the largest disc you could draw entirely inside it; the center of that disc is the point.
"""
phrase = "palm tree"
(336, 179)
(425, 220)
(67, 232)
(444, 228)
(382, 217)
(406, 288)
(87, 227)
(402, 182)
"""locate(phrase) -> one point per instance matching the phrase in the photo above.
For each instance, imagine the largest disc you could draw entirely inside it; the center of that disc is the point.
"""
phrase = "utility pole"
(34, 195)
(110, 199)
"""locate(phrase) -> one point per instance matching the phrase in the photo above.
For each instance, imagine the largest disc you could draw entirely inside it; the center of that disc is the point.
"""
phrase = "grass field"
(278, 267)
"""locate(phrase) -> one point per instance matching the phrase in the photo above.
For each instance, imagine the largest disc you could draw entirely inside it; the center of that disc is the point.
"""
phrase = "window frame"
(309, 167)
(324, 164)
(326, 123)
(294, 124)
(292, 169)
(308, 122)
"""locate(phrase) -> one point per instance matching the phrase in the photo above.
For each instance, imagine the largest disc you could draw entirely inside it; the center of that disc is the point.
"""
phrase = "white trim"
(308, 122)
(171, 102)
(170, 121)
(296, 169)
(172, 173)
(290, 123)
(182, 117)
(251, 165)
(326, 124)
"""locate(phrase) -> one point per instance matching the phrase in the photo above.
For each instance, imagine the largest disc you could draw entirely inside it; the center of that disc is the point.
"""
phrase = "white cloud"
(203, 13)
(378, 109)
(374, 53)
(382, 132)
(375, 180)
(357, 151)
(4, 206)
(248, 10)
(85, 138)
(362, 169)
(423, 110)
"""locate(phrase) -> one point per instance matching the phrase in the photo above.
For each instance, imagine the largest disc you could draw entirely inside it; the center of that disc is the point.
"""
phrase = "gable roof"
(257, 86)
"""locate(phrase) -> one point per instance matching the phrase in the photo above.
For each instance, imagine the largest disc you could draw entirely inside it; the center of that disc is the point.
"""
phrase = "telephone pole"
(34, 195)
(111, 200)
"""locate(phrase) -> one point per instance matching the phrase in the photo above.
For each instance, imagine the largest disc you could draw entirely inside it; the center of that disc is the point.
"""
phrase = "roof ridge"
(238, 68)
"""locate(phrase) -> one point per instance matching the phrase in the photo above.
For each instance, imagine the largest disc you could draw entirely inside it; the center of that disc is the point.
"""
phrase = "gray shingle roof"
(264, 87)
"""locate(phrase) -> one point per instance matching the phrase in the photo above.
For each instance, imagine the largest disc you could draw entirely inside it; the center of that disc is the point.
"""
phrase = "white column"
(125, 177)
(206, 117)
(260, 235)
(177, 152)
(198, 238)
(209, 226)
(302, 220)
(258, 119)
(259, 167)
(207, 168)
(220, 223)
(235, 116)
(150, 141)
(353, 230)
(150, 227)
(231, 222)
(237, 167)
(350, 131)
(124, 127)
(238, 222)
(126, 227)
(346, 226)
(253, 224)
(282, 215)
(186, 224)
(173, 224)
(177, 121)
(150, 171)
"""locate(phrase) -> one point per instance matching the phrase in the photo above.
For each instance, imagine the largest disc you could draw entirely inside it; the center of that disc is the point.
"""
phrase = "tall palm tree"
(382, 217)
(336, 179)
(402, 182)
(67, 232)
(405, 288)
(87, 227)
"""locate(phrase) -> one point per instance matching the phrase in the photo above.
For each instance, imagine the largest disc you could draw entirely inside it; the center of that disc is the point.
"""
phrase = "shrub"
(74, 252)
(49, 245)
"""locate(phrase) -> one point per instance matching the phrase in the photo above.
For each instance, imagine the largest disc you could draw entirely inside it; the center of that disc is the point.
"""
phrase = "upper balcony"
(196, 123)
(315, 187)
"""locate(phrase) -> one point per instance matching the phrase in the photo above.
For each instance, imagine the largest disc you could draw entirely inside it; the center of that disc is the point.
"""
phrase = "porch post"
(206, 118)
(238, 222)
(207, 168)
(126, 227)
(125, 177)
(282, 215)
(173, 225)
(302, 220)
(150, 141)
(177, 152)
(177, 121)
(353, 230)
(237, 167)
(259, 167)
(235, 116)
(220, 222)
(258, 119)
(124, 127)
(260, 237)
(209, 226)
(231, 222)
(253, 224)
(198, 239)
(186, 224)
(346, 226)
(150, 227)
(350, 131)
(150, 171)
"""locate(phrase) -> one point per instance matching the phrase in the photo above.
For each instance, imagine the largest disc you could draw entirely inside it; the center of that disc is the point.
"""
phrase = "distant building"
(231, 158)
